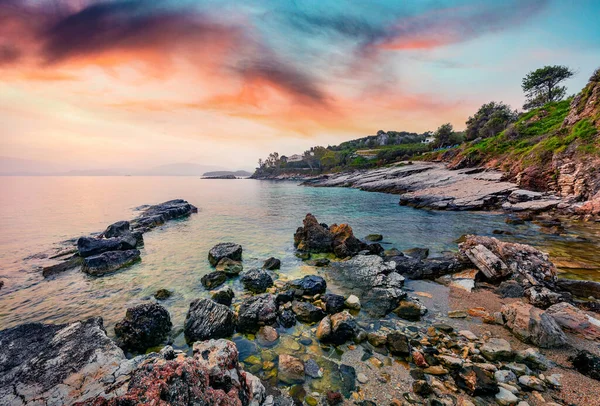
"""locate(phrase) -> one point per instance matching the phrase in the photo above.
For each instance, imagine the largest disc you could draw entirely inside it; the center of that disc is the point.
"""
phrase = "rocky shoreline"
(432, 358)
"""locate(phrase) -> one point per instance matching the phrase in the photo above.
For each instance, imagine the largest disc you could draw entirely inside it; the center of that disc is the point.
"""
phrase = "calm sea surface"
(38, 212)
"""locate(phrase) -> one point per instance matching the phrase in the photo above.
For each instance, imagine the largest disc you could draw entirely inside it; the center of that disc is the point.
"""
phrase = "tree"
(541, 85)
(490, 119)
(329, 160)
(443, 135)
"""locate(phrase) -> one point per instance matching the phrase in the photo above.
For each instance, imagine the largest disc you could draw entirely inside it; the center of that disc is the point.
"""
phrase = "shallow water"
(38, 212)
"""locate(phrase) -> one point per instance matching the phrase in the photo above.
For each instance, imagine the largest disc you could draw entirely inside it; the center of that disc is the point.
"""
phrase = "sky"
(88, 84)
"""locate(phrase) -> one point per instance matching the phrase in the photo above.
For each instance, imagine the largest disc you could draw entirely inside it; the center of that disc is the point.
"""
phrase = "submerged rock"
(256, 311)
(256, 280)
(108, 262)
(307, 312)
(374, 237)
(213, 279)
(230, 267)
(272, 264)
(159, 214)
(417, 253)
(223, 296)
(88, 246)
(224, 250)
(144, 326)
(163, 294)
(337, 328)
(533, 325)
(291, 369)
(207, 319)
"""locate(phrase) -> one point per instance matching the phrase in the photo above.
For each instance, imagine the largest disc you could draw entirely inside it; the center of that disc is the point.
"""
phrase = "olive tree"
(490, 119)
(542, 85)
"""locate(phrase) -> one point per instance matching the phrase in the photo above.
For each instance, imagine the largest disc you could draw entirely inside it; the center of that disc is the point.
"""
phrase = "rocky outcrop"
(224, 250)
(144, 326)
(573, 320)
(108, 262)
(316, 237)
(153, 216)
(532, 325)
(309, 285)
(207, 319)
(256, 280)
(88, 246)
(256, 311)
(584, 289)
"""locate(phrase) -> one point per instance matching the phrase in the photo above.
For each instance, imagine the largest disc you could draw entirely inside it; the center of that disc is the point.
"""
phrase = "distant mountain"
(179, 169)
(237, 174)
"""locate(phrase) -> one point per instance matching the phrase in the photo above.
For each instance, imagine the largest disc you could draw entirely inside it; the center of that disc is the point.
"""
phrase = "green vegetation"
(541, 85)
(490, 119)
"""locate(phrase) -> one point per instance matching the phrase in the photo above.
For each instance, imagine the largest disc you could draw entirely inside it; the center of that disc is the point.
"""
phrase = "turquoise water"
(38, 212)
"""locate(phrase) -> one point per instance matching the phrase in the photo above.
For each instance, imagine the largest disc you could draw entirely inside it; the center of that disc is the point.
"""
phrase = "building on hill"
(295, 158)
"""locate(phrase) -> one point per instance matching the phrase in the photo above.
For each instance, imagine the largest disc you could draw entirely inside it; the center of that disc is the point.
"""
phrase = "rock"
(287, 319)
(422, 388)
(163, 294)
(312, 369)
(207, 319)
(256, 280)
(89, 246)
(362, 378)
(320, 262)
(1, 284)
(144, 326)
(457, 314)
(272, 264)
(256, 311)
(586, 363)
(522, 195)
(224, 250)
(435, 370)
(374, 237)
(267, 336)
(450, 361)
(313, 237)
(398, 344)
(48, 361)
(497, 259)
(337, 328)
(213, 279)
(159, 214)
(345, 244)
(377, 339)
(223, 296)
(469, 335)
(510, 289)
(348, 378)
(291, 369)
(475, 381)
(284, 297)
(419, 359)
(533, 325)
(117, 229)
(307, 312)
(229, 266)
(534, 359)
(108, 262)
(505, 376)
(542, 297)
(497, 349)
(310, 285)
(333, 303)
(575, 321)
(579, 288)
(554, 380)
(380, 301)
(51, 270)
(505, 397)
(409, 310)
(417, 253)
(352, 302)
(532, 383)
(334, 398)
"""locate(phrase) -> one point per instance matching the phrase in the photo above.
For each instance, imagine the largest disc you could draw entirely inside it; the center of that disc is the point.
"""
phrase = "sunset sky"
(126, 84)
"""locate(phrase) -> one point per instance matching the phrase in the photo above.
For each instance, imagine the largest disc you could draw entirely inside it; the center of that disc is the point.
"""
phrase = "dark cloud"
(9, 54)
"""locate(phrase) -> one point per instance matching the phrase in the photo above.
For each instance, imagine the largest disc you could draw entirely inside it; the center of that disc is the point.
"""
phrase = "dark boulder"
(256, 280)
(313, 237)
(107, 262)
(345, 244)
(213, 279)
(418, 253)
(588, 364)
(310, 285)
(287, 319)
(398, 343)
(207, 319)
(163, 294)
(510, 289)
(1, 284)
(223, 296)
(307, 312)
(256, 311)
(272, 264)
(89, 246)
(374, 237)
(375, 249)
(319, 262)
(117, 229)
(580, 288)
(476, 381)
(144, 326)
(159, 214)
(284, 297)
(224, 250)
(381, 300)
(71, 263)
(409, 310)
(337, 328)
(333, 303)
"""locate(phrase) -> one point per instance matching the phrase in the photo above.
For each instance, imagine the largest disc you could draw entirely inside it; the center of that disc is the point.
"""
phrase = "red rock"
(419, 359)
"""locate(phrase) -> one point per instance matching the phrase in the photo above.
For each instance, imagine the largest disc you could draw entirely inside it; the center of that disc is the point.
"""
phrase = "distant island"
(226, 174)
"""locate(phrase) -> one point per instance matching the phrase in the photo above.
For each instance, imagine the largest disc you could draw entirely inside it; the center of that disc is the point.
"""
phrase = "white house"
(295, 158)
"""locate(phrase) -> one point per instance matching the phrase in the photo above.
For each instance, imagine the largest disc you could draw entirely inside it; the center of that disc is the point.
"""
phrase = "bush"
(491, 119)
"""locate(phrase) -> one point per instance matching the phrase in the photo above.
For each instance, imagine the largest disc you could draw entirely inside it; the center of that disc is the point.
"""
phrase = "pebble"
(353, 302)
(469, 335)
(362, 378)
(457, 314)
(532, 382)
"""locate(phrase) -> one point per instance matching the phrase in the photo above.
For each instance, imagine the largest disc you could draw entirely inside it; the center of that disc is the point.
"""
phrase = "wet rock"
(284, 297)
(144, 326)
(374, 237)
(380, 301)
(510, 289)
(255, 312)
(430, 268)
(542, 297)
(213, 279)
(587, 363)
(307, 312)
(163, 294)
(348, 377)
(89, 246)
(291, 369)
(352, 302)
(533, 325)
(223, 296)
(333, 303)
(312, 369)
(117, 229)
(287, 319)
(417, 253)
(207, 319)
(374, 249)
(51, 270)
(345, 244)
(224, 250)
(267, 336)
(532, 383)
(337, 328)
(319, 262)
(475, 381)
(410, 310)
(313, 237)
(398, 344)
(229, 266)
(497, 349)
(108, 262)
(272, 264)
(579, 288)
(159, 214)
(575, 321)
(256, 280)
(310, 285)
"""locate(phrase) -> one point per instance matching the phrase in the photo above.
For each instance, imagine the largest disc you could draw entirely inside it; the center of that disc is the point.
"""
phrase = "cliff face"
(554, 148)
